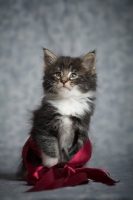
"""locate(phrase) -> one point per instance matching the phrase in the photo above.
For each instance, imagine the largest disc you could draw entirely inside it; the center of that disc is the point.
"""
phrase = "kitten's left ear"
(89, 62)
(49, 57)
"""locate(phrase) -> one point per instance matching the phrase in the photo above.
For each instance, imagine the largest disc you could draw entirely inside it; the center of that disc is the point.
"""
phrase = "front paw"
(48, 161)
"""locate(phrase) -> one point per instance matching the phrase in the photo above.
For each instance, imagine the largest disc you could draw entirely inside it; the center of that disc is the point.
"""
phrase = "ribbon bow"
(63, 174)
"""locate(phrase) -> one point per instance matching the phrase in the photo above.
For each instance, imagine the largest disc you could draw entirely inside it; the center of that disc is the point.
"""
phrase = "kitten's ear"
(89, 62)
(49, 57)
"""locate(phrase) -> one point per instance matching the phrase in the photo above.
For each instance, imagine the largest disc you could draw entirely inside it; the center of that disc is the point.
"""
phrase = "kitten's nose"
(63, 81)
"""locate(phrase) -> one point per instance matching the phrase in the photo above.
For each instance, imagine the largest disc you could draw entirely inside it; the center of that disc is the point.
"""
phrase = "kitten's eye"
(73, 75)
(58, 74)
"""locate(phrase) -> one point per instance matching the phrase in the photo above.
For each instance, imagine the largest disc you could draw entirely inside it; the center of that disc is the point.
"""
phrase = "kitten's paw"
(49, 161)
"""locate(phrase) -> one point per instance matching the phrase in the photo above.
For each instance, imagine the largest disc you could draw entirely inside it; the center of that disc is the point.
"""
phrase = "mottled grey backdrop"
(68, 27)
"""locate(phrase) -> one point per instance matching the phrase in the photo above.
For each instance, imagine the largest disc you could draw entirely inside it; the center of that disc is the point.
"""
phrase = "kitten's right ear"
(49, 57)
(89, 62)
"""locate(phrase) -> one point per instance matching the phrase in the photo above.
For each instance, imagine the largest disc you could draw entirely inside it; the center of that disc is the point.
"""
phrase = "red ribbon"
(63, 174)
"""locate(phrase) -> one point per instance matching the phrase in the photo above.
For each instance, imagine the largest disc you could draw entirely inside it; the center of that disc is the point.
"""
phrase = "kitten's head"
(67, 76)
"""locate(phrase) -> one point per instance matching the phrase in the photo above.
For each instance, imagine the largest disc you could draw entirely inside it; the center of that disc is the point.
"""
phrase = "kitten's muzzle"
(63, 81)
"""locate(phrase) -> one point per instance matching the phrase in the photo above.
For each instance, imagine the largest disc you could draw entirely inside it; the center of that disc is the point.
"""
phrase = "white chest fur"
(71, 106)
(65, 132)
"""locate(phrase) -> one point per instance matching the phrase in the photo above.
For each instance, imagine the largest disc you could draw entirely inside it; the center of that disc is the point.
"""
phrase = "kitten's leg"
(64, 155)
(78, 143)
(49, 149)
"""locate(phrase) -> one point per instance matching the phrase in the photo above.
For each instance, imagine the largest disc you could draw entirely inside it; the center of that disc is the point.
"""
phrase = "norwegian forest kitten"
(61, 123)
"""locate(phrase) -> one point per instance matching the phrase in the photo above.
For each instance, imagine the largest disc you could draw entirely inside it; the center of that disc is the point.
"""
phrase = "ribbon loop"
(67, 172)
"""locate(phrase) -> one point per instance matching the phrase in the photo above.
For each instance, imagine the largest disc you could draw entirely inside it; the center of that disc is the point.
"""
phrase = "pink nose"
(64, 81)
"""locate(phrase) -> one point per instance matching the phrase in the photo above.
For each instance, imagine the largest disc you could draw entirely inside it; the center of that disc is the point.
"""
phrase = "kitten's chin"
(64, 91)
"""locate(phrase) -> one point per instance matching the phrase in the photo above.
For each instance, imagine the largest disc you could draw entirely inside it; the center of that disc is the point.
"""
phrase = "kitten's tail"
(21, 171)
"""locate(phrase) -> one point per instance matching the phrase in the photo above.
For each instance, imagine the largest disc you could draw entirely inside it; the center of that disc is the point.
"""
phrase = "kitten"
(61, 123)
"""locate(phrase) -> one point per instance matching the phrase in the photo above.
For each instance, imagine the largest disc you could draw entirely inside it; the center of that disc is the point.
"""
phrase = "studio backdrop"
(68, 28)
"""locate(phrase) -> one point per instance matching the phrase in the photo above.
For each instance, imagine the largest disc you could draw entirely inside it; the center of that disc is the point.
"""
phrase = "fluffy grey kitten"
(61, 123)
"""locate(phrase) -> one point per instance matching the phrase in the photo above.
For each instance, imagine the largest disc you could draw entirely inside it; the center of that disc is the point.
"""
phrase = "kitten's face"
(65, 75)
